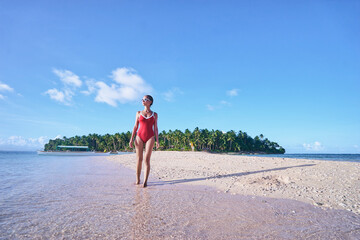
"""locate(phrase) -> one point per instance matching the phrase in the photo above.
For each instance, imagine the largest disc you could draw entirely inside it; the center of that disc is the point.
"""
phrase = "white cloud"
(171, 94)
(106, 94)
(128, 87)
(91, 84)
(57, 137)
(42, 140)
(64, 96)
(219, 105)
(16, 140)
(316, 146)
(5, 88)
(23, 143)
(68, 77)
(37, 141)
(56, 94)
(71, 81)
(20, 141)
(226, 103)
(127, 77)
(232, 92)
(210, 107)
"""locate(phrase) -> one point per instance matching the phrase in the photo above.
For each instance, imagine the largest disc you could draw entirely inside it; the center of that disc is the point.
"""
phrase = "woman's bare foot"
(145, 185)
(137, 182)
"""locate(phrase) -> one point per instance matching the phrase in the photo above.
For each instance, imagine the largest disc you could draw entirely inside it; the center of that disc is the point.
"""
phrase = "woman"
(145, 137)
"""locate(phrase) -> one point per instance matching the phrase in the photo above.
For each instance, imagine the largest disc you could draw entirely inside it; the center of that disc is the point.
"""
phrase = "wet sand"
(201, 211)
(328, 184)
(94, 198)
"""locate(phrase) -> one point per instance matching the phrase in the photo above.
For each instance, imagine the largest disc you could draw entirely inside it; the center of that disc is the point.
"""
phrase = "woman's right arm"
(134, 130)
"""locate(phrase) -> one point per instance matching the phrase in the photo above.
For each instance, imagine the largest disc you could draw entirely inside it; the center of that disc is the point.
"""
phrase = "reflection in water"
(94, 198)
(185, 212)
(141, 221)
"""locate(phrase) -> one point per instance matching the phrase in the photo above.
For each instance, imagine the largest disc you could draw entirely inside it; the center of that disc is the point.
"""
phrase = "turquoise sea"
(52, 197)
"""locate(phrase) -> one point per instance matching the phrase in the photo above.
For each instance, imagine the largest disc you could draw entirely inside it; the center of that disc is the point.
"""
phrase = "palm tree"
(169, 138)
(231, 137)
(223, 142)
(237, 147)
(196, 134)
(261, 136)
(217, 136)
(211, 139)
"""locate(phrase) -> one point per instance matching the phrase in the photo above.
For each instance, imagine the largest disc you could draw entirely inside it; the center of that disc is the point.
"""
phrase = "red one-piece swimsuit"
(146, 130)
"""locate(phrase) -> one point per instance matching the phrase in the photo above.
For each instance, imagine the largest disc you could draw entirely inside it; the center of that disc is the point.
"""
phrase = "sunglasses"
(146, 100)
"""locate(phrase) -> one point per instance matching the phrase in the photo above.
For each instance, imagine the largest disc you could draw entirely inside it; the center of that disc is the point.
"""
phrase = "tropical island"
(197, 140)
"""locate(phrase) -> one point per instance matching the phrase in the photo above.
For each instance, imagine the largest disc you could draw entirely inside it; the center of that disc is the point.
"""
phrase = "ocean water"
(44, 197)
(328, 157)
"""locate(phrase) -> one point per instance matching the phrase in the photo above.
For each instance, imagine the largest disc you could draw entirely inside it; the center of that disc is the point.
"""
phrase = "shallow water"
(95, 198)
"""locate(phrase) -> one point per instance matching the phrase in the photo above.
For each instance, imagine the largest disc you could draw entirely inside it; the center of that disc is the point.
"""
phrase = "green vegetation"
(201, 139)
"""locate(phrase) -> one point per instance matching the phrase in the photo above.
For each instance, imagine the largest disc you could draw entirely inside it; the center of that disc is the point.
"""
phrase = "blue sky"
(287, 69)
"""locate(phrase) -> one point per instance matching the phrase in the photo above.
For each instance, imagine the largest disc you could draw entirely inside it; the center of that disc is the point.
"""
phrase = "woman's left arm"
(156, 131)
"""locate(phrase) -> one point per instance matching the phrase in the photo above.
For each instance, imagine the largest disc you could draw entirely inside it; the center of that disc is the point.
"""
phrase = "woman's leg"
(148, 150)
(139, 146)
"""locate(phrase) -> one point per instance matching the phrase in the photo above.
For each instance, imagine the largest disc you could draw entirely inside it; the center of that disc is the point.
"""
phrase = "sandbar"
(326, 184)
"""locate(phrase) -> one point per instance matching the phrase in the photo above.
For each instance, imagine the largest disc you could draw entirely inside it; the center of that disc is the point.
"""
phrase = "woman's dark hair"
(151, 98)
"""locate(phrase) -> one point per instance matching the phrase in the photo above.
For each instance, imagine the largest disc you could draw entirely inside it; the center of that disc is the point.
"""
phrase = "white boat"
(74, 151)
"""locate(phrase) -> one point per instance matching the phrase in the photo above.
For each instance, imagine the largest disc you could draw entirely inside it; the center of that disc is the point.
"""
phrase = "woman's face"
(146, 101)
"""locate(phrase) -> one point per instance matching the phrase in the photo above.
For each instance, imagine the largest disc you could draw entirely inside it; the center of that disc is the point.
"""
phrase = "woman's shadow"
(159, 183)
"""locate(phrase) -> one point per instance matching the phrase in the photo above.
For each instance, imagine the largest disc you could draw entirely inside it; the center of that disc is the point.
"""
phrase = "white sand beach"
(327, 184)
